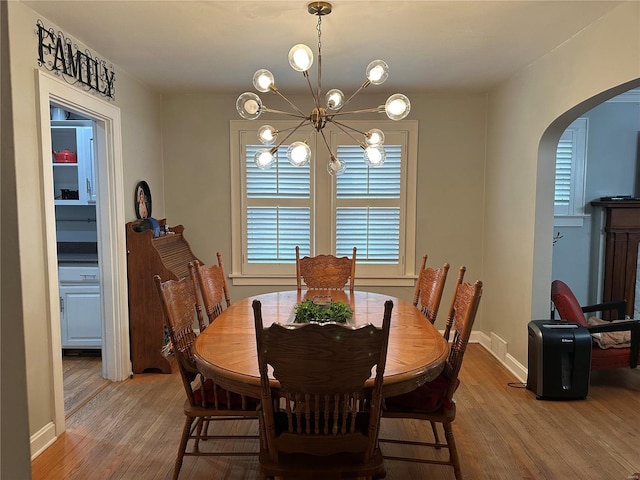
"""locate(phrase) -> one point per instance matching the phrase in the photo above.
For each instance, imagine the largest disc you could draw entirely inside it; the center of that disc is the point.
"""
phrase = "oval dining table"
(226, 350)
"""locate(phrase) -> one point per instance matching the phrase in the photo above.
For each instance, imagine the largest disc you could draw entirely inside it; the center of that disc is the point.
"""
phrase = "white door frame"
(116, 362)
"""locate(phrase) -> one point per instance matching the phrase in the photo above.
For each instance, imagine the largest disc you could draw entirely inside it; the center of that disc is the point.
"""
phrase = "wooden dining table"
(226, 350)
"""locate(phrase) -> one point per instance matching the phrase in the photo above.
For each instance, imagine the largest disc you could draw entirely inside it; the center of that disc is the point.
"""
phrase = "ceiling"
(202, 46)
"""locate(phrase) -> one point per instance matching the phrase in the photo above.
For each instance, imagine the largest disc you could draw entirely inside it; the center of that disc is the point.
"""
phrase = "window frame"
(244, 132)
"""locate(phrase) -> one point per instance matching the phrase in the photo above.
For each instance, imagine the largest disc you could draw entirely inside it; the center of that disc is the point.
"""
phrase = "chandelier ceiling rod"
(250, 106)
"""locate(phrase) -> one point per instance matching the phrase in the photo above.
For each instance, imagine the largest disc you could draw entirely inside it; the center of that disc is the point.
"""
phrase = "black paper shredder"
(559, 359)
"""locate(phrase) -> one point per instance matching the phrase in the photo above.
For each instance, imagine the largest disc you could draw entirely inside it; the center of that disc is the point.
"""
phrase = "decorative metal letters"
(60, 55)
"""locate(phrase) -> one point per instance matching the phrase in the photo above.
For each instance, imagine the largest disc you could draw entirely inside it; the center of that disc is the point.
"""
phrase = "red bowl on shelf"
(65, 156)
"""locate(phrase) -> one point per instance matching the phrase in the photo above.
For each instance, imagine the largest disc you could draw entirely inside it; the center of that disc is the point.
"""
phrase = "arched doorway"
(578, 247)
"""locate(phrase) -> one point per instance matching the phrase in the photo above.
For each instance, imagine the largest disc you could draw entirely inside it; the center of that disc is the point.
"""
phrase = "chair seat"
(602, 358)
(428, 397)
(226, 399)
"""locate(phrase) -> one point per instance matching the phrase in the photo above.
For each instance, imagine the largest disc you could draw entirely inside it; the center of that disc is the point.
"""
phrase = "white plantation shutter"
(278, 214)
(274, 232)
(368, 207)
(564, 165)
(282, 180)
(571, 170)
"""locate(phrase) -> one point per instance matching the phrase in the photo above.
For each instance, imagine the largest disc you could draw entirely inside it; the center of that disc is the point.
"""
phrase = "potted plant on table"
(311, 310)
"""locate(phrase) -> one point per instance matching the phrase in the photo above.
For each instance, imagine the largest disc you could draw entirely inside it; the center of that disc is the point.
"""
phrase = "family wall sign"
(58, 54)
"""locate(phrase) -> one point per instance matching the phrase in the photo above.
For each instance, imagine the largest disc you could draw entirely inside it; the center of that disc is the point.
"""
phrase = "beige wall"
(494, 218)
(519, 189)
(450, 176)
(14, 433)
(141, 149)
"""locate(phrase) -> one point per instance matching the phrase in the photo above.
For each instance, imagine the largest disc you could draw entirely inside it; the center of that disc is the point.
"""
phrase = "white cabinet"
(73, 183)
(80, 322)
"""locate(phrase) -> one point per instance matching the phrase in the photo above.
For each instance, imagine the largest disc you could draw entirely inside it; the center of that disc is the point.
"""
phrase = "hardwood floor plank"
(131, 431)
(82, 379)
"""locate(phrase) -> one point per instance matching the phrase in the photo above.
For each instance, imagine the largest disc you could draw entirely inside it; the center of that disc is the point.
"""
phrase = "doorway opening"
(110, 293)
(75, 193)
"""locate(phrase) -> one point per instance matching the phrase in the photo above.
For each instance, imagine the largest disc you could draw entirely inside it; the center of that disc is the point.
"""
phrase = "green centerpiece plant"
(310, 311)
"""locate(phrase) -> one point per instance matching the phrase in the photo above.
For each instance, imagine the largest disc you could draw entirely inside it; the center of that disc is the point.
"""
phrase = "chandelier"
(250, 107)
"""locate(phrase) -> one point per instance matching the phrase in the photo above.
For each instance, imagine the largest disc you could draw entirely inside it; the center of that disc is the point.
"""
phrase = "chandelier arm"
(333, 158)
(346, 128)
(290, 128)
(280, 112)
(340, 124)
(275, 90)
(294, 130)
(364, 85)
(379, 109)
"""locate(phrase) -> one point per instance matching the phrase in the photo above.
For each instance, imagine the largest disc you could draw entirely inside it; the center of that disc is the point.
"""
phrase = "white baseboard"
(41, 440)
(499, 348)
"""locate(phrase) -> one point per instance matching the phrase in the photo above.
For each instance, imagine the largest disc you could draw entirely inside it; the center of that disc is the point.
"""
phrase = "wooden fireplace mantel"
(622, 236)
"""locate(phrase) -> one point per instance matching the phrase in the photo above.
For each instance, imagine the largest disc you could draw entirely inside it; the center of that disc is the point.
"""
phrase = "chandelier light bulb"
(263, 80)
(397, 106)
(299, 154)
(249, 106)
(267, 134)
(377, 72)
(264, 158)
(336, 166)
(374, 155)
(374, 137)
(335, 99)
(300, 57)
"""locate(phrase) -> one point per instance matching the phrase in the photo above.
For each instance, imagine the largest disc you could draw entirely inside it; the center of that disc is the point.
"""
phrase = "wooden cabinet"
(80, 320)
(622, 236)
(74, 183)
(169, 257)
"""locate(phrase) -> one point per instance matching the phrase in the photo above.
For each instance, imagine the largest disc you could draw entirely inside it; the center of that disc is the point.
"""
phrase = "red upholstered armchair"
(568, 308)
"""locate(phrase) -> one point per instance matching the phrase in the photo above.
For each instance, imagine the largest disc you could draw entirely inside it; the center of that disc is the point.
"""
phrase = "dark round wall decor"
(142, 200)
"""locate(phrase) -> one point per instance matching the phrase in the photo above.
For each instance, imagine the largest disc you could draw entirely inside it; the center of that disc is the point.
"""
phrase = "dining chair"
(326, 272)
(210, 282)
(429, 288)
(206, 402)
(433, 401)
(428, 294)
(326, 422)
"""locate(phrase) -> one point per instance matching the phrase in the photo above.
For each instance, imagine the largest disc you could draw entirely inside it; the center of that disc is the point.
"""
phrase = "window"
(570, 177)
(276, 209)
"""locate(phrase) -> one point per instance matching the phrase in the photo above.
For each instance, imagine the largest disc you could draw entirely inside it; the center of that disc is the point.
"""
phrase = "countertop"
(73, 253)
(75, 259)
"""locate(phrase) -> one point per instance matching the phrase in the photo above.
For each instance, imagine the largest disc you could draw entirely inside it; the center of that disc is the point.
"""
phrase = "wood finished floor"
(131, 429)
(82, 380)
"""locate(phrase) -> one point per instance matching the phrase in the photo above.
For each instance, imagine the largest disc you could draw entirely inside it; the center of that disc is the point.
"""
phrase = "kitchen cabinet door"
(80, 316)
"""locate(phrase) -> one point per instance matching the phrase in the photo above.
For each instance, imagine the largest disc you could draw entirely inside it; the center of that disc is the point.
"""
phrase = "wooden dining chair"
(433, 401)
(206, 402)
(325, 272)
(210, 282)
(326, 422)
(427, 297)
(429, 288)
